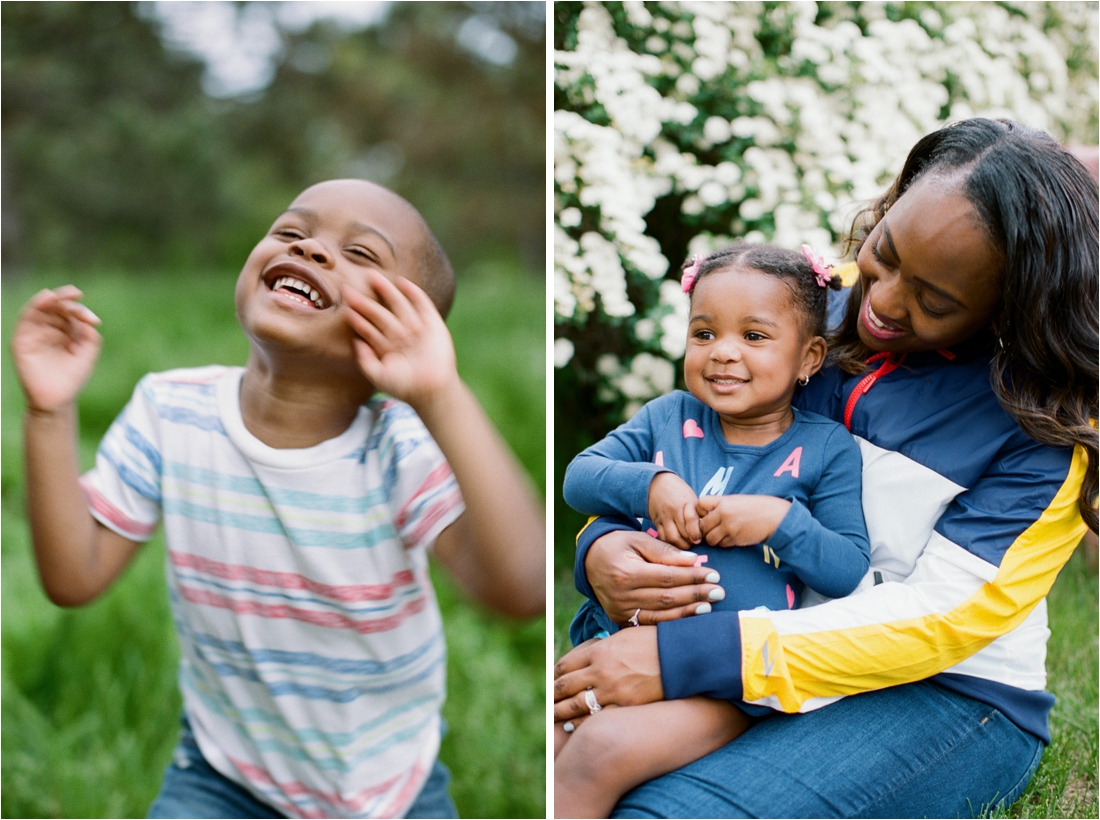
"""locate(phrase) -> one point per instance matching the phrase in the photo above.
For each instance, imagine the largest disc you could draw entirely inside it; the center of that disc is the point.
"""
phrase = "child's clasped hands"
(685, 520)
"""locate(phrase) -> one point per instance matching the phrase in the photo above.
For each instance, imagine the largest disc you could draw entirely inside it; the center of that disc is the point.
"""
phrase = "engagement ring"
(634, 618)
(591, 702)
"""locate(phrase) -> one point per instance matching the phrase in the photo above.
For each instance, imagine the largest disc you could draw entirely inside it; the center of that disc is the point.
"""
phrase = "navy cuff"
(795, 524)
(586, 538)
(701, 655)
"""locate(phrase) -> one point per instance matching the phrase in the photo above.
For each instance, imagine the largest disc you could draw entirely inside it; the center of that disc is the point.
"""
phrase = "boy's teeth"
(300, 286)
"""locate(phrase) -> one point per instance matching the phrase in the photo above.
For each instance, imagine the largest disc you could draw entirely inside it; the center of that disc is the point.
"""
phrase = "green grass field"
(90, 703)
(1065, 784)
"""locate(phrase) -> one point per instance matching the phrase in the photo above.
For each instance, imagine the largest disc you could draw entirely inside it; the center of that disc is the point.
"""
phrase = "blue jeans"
(909, 751)
(193, 788)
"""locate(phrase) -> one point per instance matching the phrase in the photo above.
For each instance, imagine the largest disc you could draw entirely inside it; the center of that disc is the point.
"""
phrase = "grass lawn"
(90, 703)
(1065, 784)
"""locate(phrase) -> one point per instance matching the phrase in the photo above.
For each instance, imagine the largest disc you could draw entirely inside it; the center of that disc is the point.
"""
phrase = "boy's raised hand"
(404, 347)
(497, 548)
(55, 347)
(672, 509)
(740, 520)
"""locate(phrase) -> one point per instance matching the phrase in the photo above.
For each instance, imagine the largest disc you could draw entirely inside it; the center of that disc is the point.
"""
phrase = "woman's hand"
(672, 510)
(55, 347)
(632, 572)
(622, 670)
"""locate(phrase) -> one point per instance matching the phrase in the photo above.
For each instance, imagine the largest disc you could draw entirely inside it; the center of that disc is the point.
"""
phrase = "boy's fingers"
(78, 311)
(397, 322)
(418, 297)
(392, 296)
(378, 315)
(368, 359)
(368, 332)
(46, 295)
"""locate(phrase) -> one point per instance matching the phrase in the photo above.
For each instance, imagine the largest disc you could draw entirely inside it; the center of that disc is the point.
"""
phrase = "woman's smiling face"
(931, 275)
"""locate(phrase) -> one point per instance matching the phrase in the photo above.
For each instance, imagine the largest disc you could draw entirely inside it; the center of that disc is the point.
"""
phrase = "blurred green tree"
(109, 146)
(114, 157)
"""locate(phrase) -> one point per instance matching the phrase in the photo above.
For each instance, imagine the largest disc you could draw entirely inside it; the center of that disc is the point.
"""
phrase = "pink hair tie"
(822, 272)
(690, 272)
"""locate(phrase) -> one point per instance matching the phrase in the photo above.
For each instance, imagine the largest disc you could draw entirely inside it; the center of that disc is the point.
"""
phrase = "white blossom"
(563, 352)
(788, 147)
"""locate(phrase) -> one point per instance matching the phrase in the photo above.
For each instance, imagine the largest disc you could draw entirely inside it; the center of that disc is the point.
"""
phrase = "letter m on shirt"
(718, 482)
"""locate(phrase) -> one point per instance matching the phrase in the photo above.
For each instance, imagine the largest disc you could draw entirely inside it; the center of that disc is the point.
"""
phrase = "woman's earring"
(803, 380)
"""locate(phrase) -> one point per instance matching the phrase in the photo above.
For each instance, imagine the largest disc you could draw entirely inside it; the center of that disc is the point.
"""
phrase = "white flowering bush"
(681, 126)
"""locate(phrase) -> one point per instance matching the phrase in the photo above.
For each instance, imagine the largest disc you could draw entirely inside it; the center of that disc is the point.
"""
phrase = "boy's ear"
(815, 356)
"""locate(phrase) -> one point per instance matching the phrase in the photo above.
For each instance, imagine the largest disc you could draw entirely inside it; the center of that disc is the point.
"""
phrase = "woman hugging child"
(730, 465)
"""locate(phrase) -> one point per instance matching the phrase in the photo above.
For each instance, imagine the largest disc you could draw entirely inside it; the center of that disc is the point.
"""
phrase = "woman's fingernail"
(717, 594)
(702, 609)
(712, 578)
(568, 728)
(690, 554)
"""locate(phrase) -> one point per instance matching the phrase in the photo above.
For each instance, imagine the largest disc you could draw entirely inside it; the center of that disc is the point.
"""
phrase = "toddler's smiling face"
(746, 347)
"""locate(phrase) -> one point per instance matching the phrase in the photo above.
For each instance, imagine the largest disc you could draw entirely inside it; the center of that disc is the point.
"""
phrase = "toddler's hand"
(740, 520)
(404, 348)
(55, 347)
(672, 509)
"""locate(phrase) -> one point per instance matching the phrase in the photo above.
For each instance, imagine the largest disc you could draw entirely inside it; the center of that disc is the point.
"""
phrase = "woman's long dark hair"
(1039, 205)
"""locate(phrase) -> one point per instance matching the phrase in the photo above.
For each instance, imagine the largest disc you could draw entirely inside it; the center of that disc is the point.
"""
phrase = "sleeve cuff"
(701, 655)
(586, 538)
(795, 525)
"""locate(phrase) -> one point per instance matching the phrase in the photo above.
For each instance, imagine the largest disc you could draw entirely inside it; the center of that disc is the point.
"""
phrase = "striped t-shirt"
(312, 666)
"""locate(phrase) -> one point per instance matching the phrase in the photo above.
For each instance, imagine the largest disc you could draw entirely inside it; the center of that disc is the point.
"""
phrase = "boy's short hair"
(437, 277)
(433, 268)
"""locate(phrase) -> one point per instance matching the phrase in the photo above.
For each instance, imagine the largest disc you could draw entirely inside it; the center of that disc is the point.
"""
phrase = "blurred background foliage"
(142, 169)
(114, 155)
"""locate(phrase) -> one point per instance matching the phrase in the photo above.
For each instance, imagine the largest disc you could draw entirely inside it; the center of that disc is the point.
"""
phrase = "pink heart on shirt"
(692, 430)
(790, 597)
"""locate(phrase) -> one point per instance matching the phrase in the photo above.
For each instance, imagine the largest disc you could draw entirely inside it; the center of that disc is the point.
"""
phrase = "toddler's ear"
(814, 357)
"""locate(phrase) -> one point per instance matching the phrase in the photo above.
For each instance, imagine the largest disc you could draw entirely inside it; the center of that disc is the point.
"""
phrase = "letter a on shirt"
(791, 464)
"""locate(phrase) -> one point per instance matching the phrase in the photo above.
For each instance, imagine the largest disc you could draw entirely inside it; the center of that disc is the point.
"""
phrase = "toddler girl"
(728, 464)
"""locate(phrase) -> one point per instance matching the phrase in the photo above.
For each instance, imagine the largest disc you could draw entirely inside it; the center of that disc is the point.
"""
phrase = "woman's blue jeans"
(193, 788)
(910, 751)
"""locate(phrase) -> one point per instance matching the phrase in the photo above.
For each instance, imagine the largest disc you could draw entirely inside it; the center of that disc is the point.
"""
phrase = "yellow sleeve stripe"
(848, 273)
(797, 667)
(586, 526)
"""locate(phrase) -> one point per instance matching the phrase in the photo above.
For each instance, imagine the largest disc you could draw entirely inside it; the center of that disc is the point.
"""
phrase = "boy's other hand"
(404, 347)
(55, 347)
(740, 520)
(672, 509)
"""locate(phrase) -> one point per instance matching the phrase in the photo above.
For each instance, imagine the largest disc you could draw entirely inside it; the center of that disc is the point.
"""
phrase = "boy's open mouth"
(297, 285)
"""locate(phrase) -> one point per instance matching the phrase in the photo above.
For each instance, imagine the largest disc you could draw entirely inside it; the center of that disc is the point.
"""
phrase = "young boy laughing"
(300, 495)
